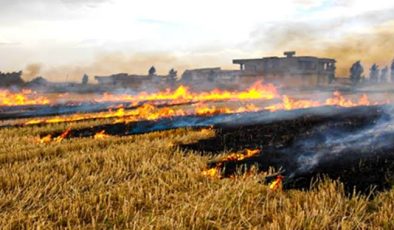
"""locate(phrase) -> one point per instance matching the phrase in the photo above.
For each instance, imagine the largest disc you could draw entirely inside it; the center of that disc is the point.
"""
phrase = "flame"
(63, 135)
(182, 93)
(291, 103)
(277, 183)
(25, 97)
(337, 99)
(101, 135)
(151, 111)
(48, 138)
(216, 170)
(78, 117)
(145, 112)
(45, 140)
(212, 172)
(207, 131)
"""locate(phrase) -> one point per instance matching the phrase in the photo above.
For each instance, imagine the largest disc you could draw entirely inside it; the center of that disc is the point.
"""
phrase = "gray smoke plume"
(31, 71)
(332, 145)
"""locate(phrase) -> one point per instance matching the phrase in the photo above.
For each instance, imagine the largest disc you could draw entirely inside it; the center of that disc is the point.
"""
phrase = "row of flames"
(149, 111)
(49, 138)
(181, 94)
(24, 97)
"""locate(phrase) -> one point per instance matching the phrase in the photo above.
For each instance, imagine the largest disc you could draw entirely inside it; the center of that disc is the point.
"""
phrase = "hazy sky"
(74, 36)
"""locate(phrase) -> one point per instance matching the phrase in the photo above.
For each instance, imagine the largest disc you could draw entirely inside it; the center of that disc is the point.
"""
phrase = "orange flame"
(101, 135)
(336, 100)
(63, 135)
(45, 140)
(25, 97)
(144, 112)
(182, 93)
(339, 100)
(149, 111)
(216, 170)
(290, 103)
(277, 183)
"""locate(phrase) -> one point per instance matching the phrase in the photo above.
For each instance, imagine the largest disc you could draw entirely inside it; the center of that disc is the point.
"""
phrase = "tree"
(85, 79)
(384, 74)
(152, 71)
(355, 72)
(374, 73)
(172, 74)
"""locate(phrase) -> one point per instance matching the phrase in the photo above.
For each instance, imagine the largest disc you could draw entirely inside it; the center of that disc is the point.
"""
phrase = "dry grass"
(146, 181)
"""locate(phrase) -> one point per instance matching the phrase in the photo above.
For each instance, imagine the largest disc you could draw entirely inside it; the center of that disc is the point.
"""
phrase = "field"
(147, 181)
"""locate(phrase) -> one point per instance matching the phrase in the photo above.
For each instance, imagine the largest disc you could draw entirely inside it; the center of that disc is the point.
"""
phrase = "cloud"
(9, 43)
(13, 12)
(174, 33)
(308, 3)
(88, 3)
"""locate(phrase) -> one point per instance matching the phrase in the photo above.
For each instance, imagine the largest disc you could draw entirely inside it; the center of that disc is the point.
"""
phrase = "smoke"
(339, 144)
(110, 63)
(369, 48)
(367, 37)
(31, 71)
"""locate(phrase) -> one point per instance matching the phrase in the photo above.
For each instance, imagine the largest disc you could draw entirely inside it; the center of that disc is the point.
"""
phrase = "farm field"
(147, 181)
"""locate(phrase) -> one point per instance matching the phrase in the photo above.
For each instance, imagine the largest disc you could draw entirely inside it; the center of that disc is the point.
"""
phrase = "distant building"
(11, 79)
(290, 70)
(208, 74)
(133, 80)
(210, 78)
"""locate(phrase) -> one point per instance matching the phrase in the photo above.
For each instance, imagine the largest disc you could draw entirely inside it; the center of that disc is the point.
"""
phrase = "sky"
(62, 39)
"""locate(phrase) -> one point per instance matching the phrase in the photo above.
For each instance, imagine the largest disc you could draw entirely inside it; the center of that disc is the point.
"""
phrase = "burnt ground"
(283, 143)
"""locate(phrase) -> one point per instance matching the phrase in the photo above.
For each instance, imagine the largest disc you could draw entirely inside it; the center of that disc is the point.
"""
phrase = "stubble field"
(147, 181)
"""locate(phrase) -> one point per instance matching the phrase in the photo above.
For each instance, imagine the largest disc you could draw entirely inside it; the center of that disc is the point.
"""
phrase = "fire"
(241, 156)
(182, 93)
(45, 140)
(206, 110)
(101, 135)
(63, 135)
(291, 103)
(213, 172)
(217, 169)
(48, 138)
(277, 183)
(337, 99)
(78, 117)
(149, 111)
(155, 109)
(145, 112)
(25, 97)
